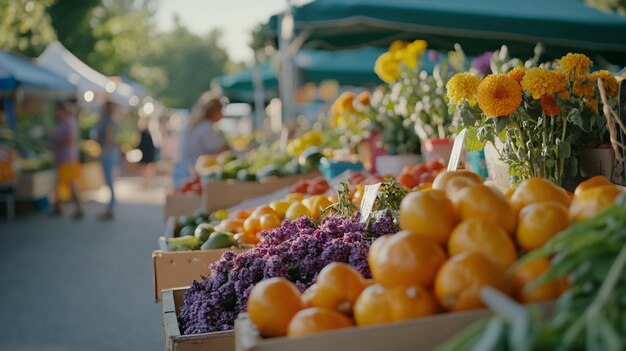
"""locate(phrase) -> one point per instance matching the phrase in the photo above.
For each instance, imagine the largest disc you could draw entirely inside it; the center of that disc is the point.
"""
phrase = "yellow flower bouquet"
(543, 115)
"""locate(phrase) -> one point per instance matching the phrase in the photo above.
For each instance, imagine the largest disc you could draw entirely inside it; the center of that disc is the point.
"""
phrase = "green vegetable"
(184, 243)
(203, 231)
(219, 240)
(187, 230)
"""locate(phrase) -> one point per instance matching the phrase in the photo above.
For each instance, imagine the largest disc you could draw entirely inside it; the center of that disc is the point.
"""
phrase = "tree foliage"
(25, 26)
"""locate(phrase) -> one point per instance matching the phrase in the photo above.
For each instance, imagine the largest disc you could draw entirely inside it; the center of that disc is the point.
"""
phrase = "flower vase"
(393, 164)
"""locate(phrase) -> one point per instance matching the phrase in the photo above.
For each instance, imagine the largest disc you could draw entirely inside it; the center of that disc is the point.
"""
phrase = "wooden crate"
(180, 268)
(36, 185)
(175, 341)
(217, 195)
(180, 205)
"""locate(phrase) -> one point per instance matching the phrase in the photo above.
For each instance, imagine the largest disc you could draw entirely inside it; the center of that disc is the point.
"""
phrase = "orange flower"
(576, 65)
(610, 83)
(584, 87)
(593, 105)
(549, 105)
(499, 95)
(517, 74)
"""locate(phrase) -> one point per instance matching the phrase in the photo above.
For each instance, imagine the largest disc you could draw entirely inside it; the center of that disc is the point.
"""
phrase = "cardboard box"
(180, 268)
(175, 341)
(420, 334)
(36, 185)
(180, 205)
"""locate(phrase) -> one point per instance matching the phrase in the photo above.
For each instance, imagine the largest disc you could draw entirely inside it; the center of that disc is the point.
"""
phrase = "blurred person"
(200, 137)
(105, 136)
(66, 156)
(148, 152)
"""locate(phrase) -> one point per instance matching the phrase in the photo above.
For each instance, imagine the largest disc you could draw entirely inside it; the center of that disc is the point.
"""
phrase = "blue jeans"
(108, 162)
(180, 174)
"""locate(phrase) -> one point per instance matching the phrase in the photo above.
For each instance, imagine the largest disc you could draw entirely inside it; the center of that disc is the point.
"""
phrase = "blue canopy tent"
(478, 25)
(19, 72)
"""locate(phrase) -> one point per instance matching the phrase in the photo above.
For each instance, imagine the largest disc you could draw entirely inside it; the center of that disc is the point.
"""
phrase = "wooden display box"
(36, 185)
(420, 334)
(180, 268)
(217, 195)
(180, 205)
(175, 341)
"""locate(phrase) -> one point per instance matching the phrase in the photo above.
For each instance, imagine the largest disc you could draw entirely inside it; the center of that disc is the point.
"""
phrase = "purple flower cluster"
(296, 251)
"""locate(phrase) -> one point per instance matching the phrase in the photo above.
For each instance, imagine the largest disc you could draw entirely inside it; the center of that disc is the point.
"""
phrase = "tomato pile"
(315, 186)
(415, 175)
(192, 186)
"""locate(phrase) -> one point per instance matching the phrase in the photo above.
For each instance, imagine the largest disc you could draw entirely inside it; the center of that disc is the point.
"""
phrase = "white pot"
(393, 164)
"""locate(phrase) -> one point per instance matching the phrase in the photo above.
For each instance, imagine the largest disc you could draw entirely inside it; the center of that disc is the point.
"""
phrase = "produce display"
(417, 175)
(7, 165)
(455, 239)
(193, 232)
(192, 186)
(297, 251)
(591, 255)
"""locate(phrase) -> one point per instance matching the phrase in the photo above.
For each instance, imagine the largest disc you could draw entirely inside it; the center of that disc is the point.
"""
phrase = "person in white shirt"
(200, 137)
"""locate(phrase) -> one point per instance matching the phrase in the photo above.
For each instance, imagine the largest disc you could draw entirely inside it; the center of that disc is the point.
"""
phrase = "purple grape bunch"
(297, 251)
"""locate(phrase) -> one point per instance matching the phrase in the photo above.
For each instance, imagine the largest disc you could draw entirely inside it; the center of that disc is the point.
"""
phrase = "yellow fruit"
(297, 210)
(488, 238)
(272, 304)
(410, 302)
(372, 307)
(294, 197)
(269, 221)
(530, 271)
(316, 204)
(429, 214)
(481, 201)
(535, 190)
(280, 206)
(452, 181)
(316, 320)
(591, 202)
(590, 183)
(405, 258)
(337, 288)
(538, 223)
(252, 225)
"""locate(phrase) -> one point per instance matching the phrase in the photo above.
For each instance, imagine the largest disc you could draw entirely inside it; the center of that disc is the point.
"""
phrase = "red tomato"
(426, 177)
(437, 166)
(300, 187)
(417, 171)
(318, 186)
(357, 178)
(407, 180)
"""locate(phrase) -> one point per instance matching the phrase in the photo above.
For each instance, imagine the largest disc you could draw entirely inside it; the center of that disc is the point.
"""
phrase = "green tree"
(73, 22)
(25, 26)
(189, 62)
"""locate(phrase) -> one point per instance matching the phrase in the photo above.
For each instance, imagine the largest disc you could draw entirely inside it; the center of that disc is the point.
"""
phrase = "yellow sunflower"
(397, 45)
(549, 105)
(540, 82)
(576, 65)
(610, 83)
(517, 74)
(499, 95)
(387, 68)
(462, 87)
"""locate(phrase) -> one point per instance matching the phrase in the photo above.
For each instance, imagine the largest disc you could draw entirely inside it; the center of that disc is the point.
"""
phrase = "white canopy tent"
(90, 82)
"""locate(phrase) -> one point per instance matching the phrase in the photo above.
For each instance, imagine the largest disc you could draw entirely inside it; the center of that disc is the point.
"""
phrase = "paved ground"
(86, 285)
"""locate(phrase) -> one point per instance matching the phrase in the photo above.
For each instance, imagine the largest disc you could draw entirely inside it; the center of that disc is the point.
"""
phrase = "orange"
(247, 238)
(297, 210)
(452, 181)
(263, 209)
(410, 302)
(488, 238)
(406, 258)
(591, 202)
(538, 223)
(535, 190)
(481, 201)
(461, 278)
(252, 224)
(338, 287)
(272, 304)
(508, 192)
(590, 183)
(233, 225)
(308, 295)
(241, 214)
(357, 194)
(316, 320)
(429, 214)
(372, 307)
(294, 197)
(334, 198)
(529, 272)
(269, 221)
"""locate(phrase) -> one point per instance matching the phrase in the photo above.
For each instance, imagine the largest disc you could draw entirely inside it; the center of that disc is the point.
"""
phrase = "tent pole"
(259, 93)
(286, 84)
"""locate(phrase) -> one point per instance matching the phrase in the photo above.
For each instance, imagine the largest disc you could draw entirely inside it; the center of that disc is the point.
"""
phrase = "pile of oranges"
(455, 239)
(248, 224)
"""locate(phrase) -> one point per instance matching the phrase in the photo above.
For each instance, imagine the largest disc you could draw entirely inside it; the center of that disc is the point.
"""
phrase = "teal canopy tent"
(478, 25)
(239, 87)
